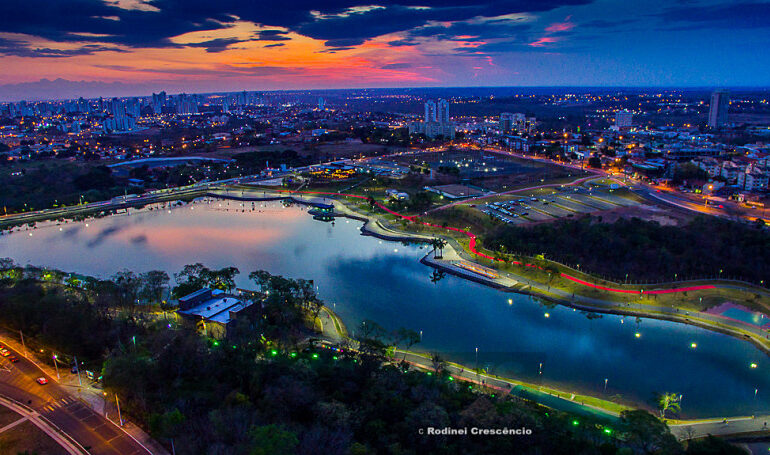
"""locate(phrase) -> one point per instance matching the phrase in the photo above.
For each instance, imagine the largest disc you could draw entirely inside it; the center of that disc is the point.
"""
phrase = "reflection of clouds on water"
(102, 235)
(71, 231)
(139, 239)
(300, 249)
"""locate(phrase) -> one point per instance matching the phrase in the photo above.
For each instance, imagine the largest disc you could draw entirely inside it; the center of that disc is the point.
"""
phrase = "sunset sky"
(215, 45)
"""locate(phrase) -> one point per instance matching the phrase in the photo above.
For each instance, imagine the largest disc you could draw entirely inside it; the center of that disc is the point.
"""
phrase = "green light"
(575, 423)
(451, 378)
(315, 355)
(215, 343)
(274, 352)
(430, 374)
(608, 431)
(294, 354)
(334, 357)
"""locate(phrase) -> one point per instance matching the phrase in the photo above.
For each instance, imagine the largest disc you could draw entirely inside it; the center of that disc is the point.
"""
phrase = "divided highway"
(60, 406)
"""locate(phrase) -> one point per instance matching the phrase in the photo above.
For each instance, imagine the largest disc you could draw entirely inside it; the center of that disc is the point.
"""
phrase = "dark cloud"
(730, 15)
(464, 31)
(97, 22)
(396, 66)
(22, 49)
(275, 45)
(216, 45)
(272, 35)
(403, 42)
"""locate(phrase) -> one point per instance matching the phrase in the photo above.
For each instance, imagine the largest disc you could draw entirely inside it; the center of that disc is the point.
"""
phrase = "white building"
(624, 119)
(753, 180)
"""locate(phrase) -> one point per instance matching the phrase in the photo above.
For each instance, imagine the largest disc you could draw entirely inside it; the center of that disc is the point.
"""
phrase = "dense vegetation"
(42, 185)
(645, 250)
(265, 390)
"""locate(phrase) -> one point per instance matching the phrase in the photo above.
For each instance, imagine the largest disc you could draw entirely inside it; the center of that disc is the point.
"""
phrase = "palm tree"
(438, 244)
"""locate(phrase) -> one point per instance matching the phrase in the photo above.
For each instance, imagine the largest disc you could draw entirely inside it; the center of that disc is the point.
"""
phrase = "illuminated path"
(472, 246)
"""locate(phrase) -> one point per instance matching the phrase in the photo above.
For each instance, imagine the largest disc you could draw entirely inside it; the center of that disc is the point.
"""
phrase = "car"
(5, 353)
(525, 214)
(13, 359)
(533, 199)
(42, 381)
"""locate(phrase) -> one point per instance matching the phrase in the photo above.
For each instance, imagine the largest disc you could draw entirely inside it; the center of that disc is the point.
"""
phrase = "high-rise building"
(624, 119)
(430, 111)
(158, 102)
(321, 104)
(442, 112)
(720, 100)
(516, 122)
(436, 121)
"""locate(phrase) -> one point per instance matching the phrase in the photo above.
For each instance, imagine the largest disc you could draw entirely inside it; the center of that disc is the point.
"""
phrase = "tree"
(223, 279)
(272, 440)
(438, 244)
(127, 287)
(711, 445)
(153, 283)
(437, 362)
(668, 401)
(167, 425)
(408, 337)
(6, 264)
(647, 434)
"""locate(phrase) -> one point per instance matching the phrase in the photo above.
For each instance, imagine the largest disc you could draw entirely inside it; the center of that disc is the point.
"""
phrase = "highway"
(60, 406)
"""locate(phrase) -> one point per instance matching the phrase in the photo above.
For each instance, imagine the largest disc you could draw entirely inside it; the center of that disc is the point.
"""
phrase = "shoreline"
(373, 227)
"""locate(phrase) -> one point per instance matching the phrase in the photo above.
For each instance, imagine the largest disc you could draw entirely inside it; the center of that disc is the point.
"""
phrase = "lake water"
(363, 277)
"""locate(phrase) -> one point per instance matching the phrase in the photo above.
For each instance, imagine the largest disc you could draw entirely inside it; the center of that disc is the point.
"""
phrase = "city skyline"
(134, 47)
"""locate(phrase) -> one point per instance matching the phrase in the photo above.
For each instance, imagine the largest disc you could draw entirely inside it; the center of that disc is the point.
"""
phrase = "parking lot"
(549, 204)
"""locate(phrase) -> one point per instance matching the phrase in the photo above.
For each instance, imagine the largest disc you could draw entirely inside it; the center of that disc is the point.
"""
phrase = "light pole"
(55, 364)
(24, 348)
(117, 403)
(605, 384)
(477, 361)
(77, 367)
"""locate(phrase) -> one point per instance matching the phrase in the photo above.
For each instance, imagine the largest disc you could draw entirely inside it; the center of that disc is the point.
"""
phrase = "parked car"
(42, 381)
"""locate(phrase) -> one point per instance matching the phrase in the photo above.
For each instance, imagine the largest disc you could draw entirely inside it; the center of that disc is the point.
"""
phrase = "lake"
(362, 277)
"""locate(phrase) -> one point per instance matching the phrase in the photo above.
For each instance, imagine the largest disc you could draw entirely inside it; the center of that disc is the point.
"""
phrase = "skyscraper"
(430, 111)
(720, 100)
(321, 104)
(442, 114)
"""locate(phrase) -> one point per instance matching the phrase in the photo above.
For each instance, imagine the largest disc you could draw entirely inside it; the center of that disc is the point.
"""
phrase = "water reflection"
(367, 278)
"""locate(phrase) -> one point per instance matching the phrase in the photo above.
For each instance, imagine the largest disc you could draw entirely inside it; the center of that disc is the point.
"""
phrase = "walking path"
(556, 399)
(757, 335)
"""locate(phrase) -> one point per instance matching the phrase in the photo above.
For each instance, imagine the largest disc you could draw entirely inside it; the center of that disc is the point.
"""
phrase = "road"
(61, 407)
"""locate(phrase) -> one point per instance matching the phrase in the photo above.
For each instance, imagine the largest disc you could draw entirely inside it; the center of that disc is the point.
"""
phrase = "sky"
(116, 47)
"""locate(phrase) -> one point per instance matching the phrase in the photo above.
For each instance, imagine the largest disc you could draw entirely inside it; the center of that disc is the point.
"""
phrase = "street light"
(57, 367)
